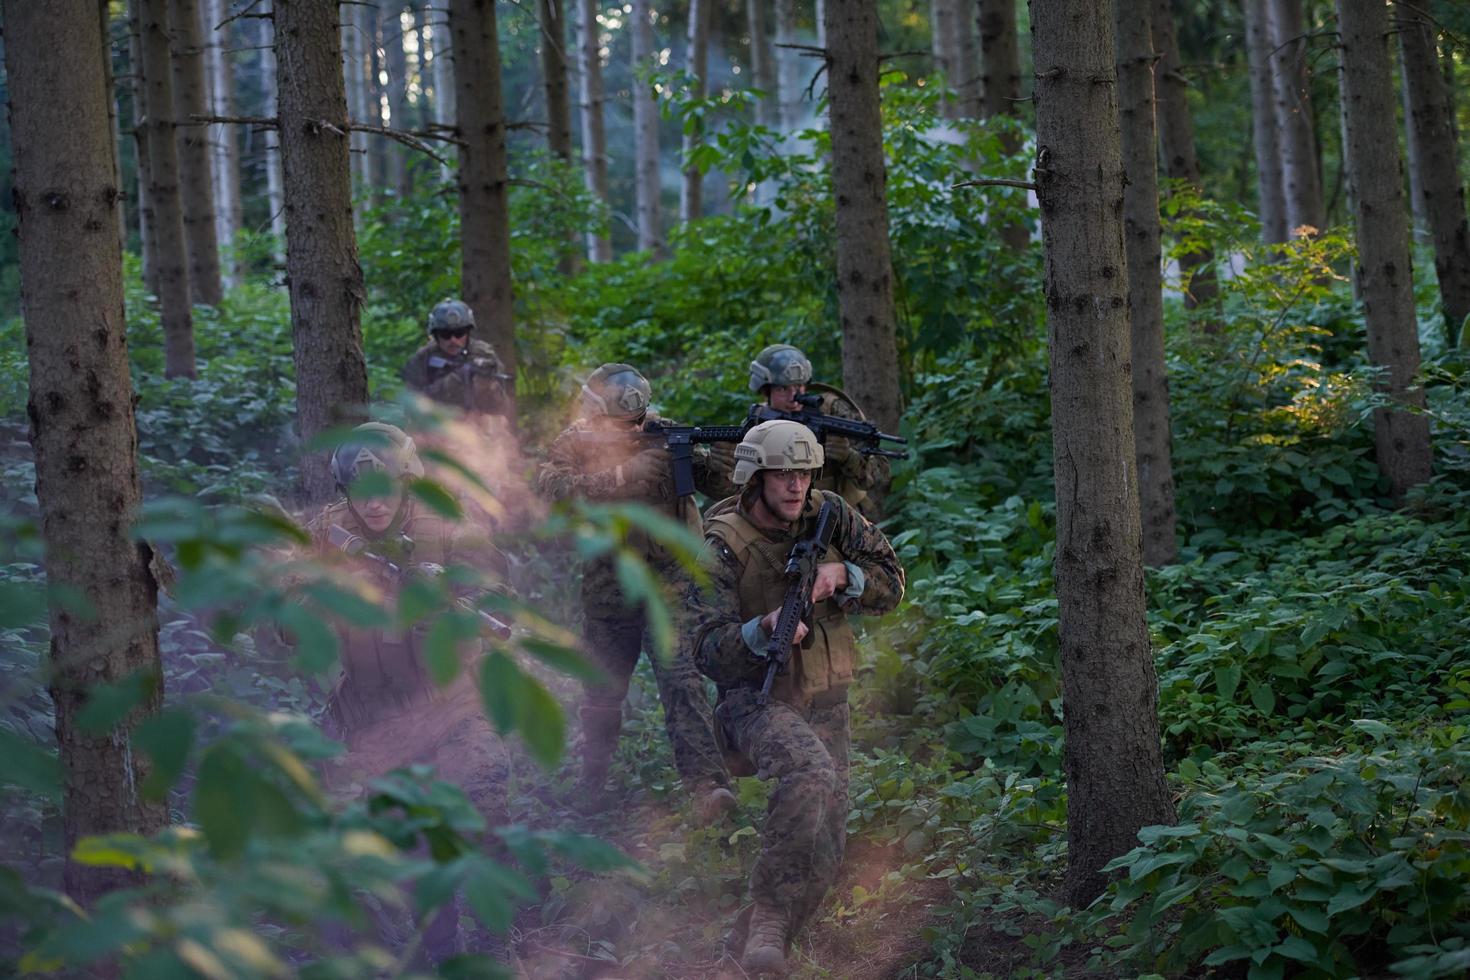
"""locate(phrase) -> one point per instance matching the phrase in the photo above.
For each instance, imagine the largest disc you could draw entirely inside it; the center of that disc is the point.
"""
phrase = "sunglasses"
(456, 332)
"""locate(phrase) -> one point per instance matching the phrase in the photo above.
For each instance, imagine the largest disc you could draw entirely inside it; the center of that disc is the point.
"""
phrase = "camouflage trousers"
(614, 644)
(804, 747)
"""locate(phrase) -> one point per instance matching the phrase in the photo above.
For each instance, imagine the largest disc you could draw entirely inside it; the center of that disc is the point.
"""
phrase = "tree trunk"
(763, 63)
(104, 23)
(647, 183)
(554, 78)
(691, 195)
(196, 168)
(275, 193)
(789, 85)
(594, 132)
(944, 17)
(163, 193)
(355, 82)
(1301, 180)
(226, 150)
(1115, 771)
(395, 62)
(1151, 433)
(1000, 84)
(484, 209)
(956, 55)
(442, 67)
(321, 248)
(146, 221)
(1265, 135)
(1432, 134)
(859, 186)
(81, 412)
(1383, 268)
(1176, 143)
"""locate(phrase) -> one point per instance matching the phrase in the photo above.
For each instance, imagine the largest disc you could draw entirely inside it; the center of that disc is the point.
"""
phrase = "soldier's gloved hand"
(842, 457)
(769, 625)
(649, 473)
(722, 457)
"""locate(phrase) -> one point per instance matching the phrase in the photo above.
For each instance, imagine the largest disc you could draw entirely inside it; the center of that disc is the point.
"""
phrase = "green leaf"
(500, 685)
(223, 800)
(441, 650)
(29, 765)
(167, 738)
(563, 659)
(541, 723)
(1310, 919)
(348, 606)
(1377, 729)
(589, 853)
(1227, 679)
(1348, 898)
(438, 499)
(1263, 698)
(316, 643)
(108, 704)
(493, 891)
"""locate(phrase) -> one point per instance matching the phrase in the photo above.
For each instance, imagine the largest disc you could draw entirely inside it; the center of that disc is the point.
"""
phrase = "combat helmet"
(776, 445)
(451, 314)
(779, 364)
(617, 391)
(376, 446)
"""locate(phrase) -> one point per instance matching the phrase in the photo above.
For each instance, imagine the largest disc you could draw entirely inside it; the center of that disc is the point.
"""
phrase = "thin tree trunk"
(647, 182)
(81, 412)
(1301, 175)
(1419, 223)
(1432, 134)
(321, 248)
(395, 61)
(859, 186)
(104, 16)
(955, 54)
(1383, 268)
(1151, 434)
(275, 191)
(354, 80)
(1265, 130)
(789, 86)
(1176, 142)
(484, 209)
(443, 71)
(1000, 84)
(691, 195)
(554, 79)
(196, 168)
(763, 64)
(1114, 768)
(594, 132)
(226, 150)
(163, 193)
(146, 221)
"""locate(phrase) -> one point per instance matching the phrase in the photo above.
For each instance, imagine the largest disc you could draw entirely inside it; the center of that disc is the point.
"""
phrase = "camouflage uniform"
(615, 628)
(848, 472)
(447, 384)
(800, 736)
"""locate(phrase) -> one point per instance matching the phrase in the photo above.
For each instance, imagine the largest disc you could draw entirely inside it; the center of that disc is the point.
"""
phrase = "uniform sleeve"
(866, 471)
(561, 476)
(712, 471)
(489, 390)
(416, 371)
(714, 632)
(865, 546)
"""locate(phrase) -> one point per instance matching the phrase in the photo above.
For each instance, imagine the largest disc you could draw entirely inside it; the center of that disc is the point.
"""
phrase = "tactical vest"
(826, 659)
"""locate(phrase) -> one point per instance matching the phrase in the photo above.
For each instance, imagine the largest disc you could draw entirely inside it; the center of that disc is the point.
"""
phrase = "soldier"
(779, 374)
(599, 457)
(455, 369)
(799, 736)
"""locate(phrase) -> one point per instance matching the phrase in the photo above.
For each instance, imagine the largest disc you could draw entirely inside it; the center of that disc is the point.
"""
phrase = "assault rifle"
(679, 440)
(801, 576)
(356, 545)
(468, 366)
(864, 436)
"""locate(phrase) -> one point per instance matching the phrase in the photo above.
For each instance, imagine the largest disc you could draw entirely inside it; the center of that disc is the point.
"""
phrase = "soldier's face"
(376, 510)
(784, 492)
(783, 397)
(452, 342)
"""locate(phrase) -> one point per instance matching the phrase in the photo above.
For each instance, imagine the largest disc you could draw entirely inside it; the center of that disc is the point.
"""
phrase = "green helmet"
(779, 444)
(451, 314)
(384, 448)
(617, 391)
(779, 364)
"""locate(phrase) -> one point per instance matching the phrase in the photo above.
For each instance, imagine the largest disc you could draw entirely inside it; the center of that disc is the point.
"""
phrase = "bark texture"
(1383, 269)
(1115, 771)
(594, 131)
(1301, 179)
(223, 139)
(321, 248)
(554, 79)
(1000, 84)
(163, 193)
(691, 190)
(196, 166)
(647, 183)
(81, 416)
(1176, 146)
(859, 188)
(1151, 434)
(1430, 121)
(484, 209)
(1265, 130)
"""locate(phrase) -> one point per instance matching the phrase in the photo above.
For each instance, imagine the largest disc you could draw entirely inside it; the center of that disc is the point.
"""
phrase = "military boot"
(600, 727)
(765, 949)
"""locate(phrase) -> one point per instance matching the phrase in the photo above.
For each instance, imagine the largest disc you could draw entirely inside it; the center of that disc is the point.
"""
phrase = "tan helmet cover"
(777, 445)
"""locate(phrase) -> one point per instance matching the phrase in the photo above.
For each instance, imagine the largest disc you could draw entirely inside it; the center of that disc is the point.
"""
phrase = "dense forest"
(384, 506)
